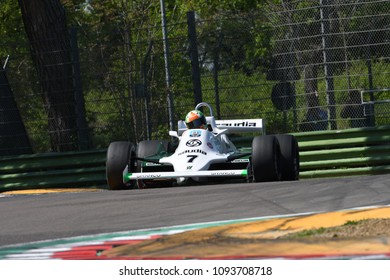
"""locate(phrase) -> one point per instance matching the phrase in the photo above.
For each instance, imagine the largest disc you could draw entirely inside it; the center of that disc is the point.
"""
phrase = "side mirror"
(173, 134)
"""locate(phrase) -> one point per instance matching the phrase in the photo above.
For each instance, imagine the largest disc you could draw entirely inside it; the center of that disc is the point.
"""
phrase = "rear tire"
(265, 159)
(289, 157)
(119, 154)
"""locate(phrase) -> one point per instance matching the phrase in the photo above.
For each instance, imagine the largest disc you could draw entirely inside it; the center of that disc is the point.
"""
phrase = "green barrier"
(54, 178)
(345, 162)
(34, 162)
(348, 152)
(341, 143)
(371, 170)
(72, 169)
(344, 153)
(342, 134)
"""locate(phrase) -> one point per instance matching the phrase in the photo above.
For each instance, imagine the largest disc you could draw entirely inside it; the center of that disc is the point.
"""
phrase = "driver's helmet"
(195, 119)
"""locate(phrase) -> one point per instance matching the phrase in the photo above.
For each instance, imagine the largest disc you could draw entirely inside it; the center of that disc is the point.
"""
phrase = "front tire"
(265, 159)
(119, 154)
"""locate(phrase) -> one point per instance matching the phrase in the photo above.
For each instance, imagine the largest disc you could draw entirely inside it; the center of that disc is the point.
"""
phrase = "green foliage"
(352, 223)
(309, 232)
(11, 29)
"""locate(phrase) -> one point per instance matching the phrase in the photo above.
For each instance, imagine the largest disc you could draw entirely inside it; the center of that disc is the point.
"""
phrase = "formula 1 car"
(200, 155)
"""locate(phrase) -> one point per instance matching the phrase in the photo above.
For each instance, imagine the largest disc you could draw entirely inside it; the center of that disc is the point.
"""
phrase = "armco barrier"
(322, 154)
(346, 152)
(53, 170)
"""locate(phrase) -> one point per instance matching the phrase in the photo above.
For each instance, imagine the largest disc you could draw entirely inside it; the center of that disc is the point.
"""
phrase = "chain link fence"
(301, 65)
(328, 69)
(332, 53)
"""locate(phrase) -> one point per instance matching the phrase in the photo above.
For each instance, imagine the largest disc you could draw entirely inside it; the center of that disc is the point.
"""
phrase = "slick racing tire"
(266, 159)
(119, 154)
(289, 159)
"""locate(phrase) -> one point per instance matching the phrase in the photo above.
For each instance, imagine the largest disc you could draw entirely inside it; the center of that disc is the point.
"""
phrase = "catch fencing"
(301, 65)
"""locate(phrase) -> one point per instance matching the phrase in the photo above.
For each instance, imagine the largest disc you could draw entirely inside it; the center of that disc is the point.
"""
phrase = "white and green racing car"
(203, 156)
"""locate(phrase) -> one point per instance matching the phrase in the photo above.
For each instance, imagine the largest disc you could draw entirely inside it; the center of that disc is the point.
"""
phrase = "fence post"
(216, 83)
(371, 120)
(194, 57)
(215, 73)
(167, 69)
(328, 67)
(146, 93)
(82, 127)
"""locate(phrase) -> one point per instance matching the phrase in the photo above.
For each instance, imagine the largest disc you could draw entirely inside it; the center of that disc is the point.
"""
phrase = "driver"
(195, 119)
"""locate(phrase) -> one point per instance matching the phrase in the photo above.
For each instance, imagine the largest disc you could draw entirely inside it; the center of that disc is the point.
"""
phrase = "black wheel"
(289, 159)
(119, 154)
(265, 159)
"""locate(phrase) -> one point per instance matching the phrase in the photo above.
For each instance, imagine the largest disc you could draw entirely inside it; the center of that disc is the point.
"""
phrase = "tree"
(235, 33)
(46, 28)
(13, 135)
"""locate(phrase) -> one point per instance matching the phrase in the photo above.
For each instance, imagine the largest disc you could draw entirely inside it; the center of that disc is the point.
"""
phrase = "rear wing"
(231, 126)
(242, 126)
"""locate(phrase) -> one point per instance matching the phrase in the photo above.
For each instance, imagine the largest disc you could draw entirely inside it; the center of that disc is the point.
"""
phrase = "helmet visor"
(197, 123)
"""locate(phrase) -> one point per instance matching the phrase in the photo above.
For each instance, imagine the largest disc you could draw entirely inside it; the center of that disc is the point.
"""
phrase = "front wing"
(184, 174)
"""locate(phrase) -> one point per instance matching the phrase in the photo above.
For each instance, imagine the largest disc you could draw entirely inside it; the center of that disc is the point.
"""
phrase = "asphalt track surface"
(28, 218)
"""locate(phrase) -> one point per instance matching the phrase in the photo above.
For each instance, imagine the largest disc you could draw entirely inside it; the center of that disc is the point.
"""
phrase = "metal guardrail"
(73, 169)
(323, 154)
(342, 153)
